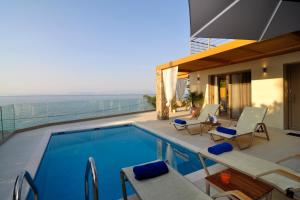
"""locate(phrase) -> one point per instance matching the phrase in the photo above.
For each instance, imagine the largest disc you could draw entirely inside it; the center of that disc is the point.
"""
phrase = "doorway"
(293, 96)
(223, 95)
(232, 91)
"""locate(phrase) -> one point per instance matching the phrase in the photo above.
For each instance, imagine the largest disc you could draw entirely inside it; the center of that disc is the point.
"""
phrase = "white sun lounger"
(279, 177)
(170, 186)
(250, 119)
(203, 117)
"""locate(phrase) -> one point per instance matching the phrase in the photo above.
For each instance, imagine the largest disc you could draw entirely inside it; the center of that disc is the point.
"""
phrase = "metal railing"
(18, 185)
(91, 167)
(201, 44)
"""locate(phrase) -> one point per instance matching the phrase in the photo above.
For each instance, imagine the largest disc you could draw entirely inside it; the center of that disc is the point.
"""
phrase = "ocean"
(19, 112)
(7, 100)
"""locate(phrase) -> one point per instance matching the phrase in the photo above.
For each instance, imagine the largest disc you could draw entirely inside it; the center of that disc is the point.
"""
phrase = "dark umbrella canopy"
(243, 19)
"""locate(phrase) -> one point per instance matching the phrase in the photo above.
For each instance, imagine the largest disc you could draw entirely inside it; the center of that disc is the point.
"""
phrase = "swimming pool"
(61, 172)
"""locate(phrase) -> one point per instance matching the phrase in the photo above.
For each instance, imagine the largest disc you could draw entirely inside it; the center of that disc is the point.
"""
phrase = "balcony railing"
(22, 116)
(201, 44)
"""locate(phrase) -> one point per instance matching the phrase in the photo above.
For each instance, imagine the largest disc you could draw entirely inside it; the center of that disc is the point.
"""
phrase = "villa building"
(90, 147)
(244, 73)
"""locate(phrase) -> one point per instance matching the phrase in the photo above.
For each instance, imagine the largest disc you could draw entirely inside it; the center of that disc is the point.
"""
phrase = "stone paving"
(25, 150)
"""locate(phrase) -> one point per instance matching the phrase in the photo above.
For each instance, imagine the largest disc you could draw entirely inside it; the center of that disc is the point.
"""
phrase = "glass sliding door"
(218, 93)
(223, 95)
(240, 93)
(232, 91)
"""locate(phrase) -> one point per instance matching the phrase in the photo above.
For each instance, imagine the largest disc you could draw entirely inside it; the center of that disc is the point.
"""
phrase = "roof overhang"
(181, 75)
(236, 51)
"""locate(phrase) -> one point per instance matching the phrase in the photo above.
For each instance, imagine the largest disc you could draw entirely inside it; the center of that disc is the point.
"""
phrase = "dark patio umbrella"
(243, 19)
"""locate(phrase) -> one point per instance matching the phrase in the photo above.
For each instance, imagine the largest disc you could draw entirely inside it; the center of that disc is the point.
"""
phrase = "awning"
(243, 19)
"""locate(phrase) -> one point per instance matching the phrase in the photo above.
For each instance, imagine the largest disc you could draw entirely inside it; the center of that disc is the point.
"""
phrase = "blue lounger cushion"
(226, 130)
(180, 121)
(150, 170)
(220, 148)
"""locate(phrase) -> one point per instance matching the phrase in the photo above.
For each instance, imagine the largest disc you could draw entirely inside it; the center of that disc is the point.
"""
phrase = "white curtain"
(180, 89)
(170, 80)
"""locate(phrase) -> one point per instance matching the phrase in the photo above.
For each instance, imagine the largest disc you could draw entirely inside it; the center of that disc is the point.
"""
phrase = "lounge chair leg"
(214, 139)
(207, 187)
(201, 129)
(266, 131)
(261, 127)
(251, 135)
(124, 192)
(269, 196)
(187, 129)
(178, 129)
(190, 132)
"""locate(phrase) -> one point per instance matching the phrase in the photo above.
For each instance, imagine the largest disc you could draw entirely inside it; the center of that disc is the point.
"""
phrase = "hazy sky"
(88, 46)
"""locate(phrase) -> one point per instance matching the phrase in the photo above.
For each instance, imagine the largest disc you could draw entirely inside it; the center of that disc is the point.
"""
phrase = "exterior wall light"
(264, 70)
(198, 77)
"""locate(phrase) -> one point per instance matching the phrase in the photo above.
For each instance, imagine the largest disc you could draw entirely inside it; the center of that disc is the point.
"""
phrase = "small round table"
(208, 125)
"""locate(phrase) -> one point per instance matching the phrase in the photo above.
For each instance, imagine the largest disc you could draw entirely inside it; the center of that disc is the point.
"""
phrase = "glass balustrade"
(21, 116)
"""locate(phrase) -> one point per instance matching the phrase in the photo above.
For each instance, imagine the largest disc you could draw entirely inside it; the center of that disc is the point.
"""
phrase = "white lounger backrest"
(249, 118)
(208, 109)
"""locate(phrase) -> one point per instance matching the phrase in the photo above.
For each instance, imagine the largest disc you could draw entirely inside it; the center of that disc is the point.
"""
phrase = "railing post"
(14, 115)
(1, 116)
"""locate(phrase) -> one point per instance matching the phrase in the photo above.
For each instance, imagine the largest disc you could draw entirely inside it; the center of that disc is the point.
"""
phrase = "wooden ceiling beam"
(217, 60)
(269, 54)
(248, 58)
(251, 50)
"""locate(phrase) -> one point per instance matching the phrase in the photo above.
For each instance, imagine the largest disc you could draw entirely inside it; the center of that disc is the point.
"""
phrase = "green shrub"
(196, 98)
(151, 100)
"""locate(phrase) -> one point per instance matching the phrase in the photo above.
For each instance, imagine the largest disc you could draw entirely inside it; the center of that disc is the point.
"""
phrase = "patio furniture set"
(245, 177)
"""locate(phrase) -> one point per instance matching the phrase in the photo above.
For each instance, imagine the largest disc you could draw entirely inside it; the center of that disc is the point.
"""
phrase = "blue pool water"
(61, 171)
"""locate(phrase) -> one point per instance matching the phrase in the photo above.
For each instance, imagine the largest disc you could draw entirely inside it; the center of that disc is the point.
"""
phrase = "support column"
(161, 109)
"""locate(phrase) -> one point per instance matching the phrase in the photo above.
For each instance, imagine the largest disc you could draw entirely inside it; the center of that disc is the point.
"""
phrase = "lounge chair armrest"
(288, 158)
(233, 193)
(281, 172)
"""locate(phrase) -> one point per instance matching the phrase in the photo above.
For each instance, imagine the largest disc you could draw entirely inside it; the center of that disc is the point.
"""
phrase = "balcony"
(201, 44)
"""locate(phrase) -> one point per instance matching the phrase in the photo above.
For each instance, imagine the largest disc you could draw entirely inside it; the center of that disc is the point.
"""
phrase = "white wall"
(267, 89)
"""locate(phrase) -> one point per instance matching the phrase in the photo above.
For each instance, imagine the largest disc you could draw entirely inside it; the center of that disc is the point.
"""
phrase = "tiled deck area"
(24, 150)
